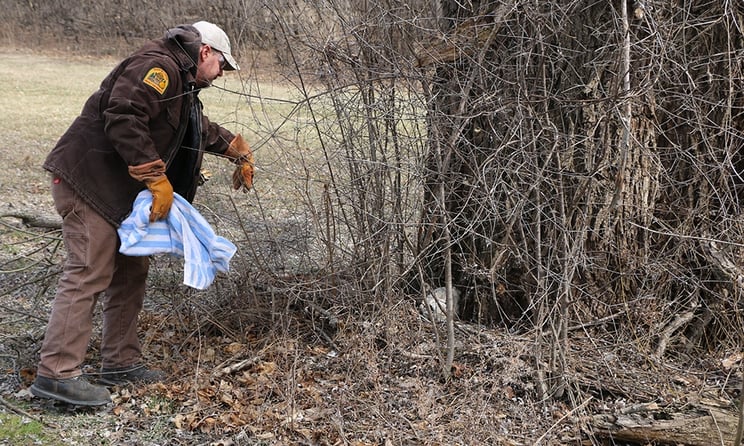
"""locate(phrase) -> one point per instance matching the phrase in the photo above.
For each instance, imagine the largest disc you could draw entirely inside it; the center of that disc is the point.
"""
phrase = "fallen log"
(36, 221)
(699, 425)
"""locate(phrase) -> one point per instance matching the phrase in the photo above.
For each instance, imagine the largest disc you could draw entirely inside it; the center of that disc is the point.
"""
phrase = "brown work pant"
(93, 265)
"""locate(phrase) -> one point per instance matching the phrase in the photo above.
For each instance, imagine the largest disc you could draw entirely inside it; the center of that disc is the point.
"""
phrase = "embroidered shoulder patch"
(157, 78)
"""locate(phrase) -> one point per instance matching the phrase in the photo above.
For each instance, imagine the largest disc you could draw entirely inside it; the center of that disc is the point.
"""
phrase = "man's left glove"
(153, 175)
(241, 154)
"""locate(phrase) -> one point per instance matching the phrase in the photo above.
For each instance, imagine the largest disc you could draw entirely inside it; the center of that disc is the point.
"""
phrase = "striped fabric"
(184, 233)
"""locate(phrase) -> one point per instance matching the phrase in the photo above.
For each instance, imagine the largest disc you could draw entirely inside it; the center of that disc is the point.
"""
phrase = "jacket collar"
(184, 44)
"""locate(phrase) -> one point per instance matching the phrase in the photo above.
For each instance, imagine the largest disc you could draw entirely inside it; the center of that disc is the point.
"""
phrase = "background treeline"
(107, 25)
(106, 22)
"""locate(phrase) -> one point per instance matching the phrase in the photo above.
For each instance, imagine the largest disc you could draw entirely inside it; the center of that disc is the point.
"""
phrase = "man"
(143, 128)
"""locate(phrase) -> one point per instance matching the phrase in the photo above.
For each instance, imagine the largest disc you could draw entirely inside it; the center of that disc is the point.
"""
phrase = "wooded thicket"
(587, 161)
(564, 165)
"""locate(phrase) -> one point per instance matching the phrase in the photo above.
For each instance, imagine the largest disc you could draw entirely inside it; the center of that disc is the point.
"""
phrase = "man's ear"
(203, 53)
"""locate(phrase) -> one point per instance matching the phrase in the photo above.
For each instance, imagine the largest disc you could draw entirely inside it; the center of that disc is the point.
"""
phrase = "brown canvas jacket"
(140, 113)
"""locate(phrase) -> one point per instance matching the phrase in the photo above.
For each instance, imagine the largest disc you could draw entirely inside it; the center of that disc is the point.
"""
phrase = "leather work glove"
(162, 197)
(153, 175)
(242, 155)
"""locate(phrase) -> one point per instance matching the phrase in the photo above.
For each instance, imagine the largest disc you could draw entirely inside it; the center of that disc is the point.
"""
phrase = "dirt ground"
(246, 368)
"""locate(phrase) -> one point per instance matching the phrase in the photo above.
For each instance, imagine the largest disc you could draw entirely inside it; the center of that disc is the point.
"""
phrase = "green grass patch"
(21, 431)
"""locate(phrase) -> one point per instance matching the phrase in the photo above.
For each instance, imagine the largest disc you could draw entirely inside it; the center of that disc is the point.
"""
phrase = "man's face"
(211, 64)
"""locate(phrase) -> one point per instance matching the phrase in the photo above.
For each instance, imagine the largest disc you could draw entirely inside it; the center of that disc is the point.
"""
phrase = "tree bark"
(702, 425)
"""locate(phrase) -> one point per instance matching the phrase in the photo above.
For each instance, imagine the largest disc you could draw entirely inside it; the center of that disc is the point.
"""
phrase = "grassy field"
(44, 94)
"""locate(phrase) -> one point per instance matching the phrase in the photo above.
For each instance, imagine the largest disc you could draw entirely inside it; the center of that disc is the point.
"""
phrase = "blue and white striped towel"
(184, 233)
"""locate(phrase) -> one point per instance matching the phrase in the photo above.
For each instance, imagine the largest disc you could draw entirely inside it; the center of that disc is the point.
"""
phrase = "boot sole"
(41, 393)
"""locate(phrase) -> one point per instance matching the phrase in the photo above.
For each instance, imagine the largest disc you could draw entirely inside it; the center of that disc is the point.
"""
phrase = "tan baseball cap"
(213, 36)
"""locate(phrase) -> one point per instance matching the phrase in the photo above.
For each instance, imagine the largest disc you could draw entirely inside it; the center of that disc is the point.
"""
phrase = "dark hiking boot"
(77, 391)
(134, 374)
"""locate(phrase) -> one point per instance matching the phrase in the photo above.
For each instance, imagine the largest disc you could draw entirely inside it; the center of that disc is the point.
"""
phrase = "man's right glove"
(153, 175)
(162, 197)
(241, 154)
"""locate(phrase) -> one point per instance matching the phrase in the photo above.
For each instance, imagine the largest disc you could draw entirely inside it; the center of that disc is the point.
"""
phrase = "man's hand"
(241, 153)
(153, 175)
(162, 197)
(243, 176)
